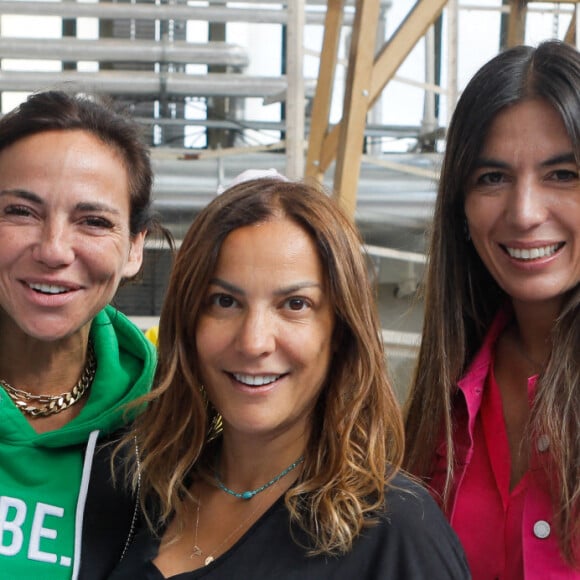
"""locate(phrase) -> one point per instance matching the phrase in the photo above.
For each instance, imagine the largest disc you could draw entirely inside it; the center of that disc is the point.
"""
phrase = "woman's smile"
(257, 380)
(523, 204)
(264, 337)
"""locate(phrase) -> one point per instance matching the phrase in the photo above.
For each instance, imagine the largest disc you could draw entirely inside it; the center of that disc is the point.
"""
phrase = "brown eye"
(490, 178)
(222, 300)
(297, 304)
(19, 210)
(97, 222)
(564, 175)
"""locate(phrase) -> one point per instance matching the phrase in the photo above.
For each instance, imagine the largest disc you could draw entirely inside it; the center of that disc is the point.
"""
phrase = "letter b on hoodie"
(11, 536)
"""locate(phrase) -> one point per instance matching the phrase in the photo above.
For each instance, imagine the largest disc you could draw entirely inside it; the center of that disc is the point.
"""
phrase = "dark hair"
(356, 441)
(462, 298)
(58, 110)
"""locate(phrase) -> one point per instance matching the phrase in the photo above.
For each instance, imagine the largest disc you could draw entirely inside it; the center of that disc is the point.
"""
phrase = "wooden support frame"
(356, 103)
(366, 80)
(344, 141)
(322, 97)
(570, 36)
(517, 22)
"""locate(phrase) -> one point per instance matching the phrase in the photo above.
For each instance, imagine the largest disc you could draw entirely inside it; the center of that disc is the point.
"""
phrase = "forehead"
(533, 125)
(54, 142)
(279, 242)
(74, 164)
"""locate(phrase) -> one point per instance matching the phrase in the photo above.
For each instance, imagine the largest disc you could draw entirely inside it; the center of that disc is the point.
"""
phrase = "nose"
(527, 205)
(256, 334)
(54, 246)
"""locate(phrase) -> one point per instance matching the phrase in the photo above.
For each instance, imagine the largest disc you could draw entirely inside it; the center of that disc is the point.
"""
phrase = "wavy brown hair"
(356, 441)
(462, 298)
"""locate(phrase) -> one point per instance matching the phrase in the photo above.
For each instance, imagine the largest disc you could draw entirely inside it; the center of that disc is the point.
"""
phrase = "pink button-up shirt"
(506, 534)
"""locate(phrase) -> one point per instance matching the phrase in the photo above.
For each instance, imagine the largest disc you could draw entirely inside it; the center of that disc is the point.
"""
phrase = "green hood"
(125, 367)
(41, 475)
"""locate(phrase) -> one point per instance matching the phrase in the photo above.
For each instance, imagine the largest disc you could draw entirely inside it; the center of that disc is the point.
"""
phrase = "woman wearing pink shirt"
(493, 414)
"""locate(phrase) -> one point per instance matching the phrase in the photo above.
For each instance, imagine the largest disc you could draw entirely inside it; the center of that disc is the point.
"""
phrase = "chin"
(48, 334)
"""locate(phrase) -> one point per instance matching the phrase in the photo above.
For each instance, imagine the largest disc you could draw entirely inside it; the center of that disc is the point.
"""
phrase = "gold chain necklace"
(197, 551)
(51, 404)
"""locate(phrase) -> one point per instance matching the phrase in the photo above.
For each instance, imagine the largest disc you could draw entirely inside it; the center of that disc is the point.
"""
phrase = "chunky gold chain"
(44, 405)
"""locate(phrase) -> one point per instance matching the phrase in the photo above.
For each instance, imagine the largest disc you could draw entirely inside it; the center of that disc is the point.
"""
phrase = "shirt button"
(543, 443)
(541, 529)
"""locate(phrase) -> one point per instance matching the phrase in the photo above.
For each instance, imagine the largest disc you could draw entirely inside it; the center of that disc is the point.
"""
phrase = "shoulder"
(408, 504)
(414, 532)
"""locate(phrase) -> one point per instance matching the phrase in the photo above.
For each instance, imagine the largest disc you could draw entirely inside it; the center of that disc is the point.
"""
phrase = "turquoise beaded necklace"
(252, 492)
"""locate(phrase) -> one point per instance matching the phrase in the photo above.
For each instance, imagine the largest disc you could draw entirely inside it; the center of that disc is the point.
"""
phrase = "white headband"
(249, 174)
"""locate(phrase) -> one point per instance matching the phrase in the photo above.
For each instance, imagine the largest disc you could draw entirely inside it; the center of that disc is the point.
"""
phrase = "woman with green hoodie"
(75, 197)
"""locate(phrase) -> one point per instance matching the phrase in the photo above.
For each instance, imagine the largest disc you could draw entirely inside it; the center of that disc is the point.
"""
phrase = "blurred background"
(357, 94)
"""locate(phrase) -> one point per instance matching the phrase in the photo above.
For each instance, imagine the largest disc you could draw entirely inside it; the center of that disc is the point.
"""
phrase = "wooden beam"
(320, 113)
(517, 22)
(356, 103)
(422, 15)
(570, 36)
(398, 47)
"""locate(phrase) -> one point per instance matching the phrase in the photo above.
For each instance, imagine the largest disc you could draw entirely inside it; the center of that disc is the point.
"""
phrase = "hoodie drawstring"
(82, 499)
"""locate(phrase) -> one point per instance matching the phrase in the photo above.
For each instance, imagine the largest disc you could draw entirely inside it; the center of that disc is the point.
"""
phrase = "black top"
(411, 541)
(110, 513)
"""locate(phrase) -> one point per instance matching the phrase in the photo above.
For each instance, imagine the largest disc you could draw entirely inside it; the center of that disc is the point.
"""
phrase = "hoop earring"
(216, 427)
(216, 424)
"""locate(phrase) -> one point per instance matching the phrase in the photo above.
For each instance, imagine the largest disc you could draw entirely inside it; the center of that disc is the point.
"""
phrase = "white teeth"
(256, 380)
(48, 288)
(533, 253)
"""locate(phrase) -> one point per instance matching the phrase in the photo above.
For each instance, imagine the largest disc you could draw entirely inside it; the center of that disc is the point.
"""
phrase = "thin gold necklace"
(52, 404)
(198, 552)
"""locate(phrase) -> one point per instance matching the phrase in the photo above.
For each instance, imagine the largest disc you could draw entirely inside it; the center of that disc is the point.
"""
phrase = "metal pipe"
(295, 101)
(149, 83)
(158, 12)
(393, 198)
(118, 50)
(242, 124)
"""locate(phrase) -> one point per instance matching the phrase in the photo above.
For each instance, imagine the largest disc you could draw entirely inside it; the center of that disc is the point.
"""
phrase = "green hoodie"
(42, 484)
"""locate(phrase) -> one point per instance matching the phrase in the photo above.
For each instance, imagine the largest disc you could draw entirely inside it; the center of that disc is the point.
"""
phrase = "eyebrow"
(86, 206)
(23, 193)
(558, 159)
(81, 206)
(568, 157)
(280, 292)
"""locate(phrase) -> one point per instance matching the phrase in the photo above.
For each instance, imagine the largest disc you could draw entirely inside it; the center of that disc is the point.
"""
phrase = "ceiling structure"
(369, 71)
(142, 55)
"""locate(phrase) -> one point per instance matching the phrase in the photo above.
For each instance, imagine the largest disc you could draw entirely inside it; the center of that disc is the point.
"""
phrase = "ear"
(135, 260)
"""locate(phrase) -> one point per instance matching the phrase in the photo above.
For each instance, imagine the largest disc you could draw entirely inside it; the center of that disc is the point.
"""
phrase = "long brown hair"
(462, 298)
(356, 441)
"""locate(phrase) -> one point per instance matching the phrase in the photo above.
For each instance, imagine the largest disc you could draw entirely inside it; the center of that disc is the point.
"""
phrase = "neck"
(247, 467)
(532, 332)
(42, 367)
